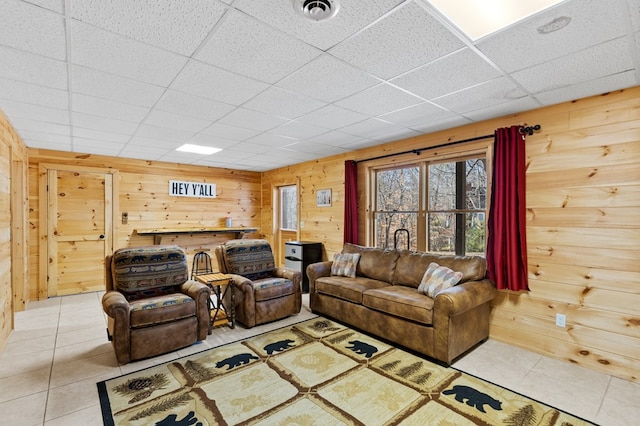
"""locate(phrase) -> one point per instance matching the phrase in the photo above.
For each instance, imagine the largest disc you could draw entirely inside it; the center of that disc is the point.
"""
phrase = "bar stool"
(201, 263)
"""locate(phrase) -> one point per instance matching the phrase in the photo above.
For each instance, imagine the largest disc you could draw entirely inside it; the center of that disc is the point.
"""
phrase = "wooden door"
(79, 229)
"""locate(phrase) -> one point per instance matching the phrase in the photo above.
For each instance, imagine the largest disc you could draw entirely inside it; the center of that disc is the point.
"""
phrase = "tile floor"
(59, 350)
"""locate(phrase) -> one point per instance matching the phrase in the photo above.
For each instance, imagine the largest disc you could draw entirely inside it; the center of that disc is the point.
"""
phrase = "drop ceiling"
(139, 78)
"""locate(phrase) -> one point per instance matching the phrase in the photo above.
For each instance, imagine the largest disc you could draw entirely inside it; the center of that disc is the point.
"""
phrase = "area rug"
(317, 372)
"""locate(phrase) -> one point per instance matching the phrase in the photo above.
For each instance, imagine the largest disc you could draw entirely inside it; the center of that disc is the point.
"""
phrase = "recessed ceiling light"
(478, 18)
(317, 10)
(198, 149)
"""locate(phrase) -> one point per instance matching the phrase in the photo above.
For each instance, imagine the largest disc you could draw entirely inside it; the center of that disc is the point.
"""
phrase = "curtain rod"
(528, 130)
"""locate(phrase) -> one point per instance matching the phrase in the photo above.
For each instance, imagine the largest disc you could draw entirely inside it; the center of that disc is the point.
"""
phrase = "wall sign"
(178, 188)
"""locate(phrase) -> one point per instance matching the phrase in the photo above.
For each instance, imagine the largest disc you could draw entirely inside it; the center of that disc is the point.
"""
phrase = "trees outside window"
(289, 207)
(453, 216)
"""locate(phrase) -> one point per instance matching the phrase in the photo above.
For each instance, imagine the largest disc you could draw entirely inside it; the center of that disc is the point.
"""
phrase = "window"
(289, 207)
(396, 211)
(450, 216)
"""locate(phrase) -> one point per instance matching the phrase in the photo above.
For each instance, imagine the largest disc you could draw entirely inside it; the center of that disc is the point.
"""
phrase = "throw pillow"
(344, 264)
(438, 278)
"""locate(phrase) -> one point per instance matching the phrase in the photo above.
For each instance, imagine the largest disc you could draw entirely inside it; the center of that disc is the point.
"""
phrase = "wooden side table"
(220, 284)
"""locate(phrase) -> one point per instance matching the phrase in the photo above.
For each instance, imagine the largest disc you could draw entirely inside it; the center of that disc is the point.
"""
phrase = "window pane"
(474, 244)
(398, 189)
(442, 186)
(476, 184)
(289, 213)
(442, 232)
(390, 230)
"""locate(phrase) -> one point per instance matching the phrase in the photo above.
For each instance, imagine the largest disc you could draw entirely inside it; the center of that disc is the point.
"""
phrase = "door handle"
(101, 236)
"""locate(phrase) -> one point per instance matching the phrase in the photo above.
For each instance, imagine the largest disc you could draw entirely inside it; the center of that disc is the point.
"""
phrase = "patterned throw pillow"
(344, 264)
(438, 278)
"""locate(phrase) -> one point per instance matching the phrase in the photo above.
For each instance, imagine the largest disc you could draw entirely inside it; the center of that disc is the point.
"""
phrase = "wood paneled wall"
(13, 234)
(583, 198)
(143, 192)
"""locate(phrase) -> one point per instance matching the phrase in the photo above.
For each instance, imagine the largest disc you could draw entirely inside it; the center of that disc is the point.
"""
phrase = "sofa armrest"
(461, 298)
(200, 293)
(317, 270)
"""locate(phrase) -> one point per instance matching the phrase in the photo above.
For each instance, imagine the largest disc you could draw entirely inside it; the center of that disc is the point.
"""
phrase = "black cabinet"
(300, 254)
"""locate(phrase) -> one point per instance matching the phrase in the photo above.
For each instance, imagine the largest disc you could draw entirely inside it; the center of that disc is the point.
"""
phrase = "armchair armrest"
(115, 305)
(117, 308)
(200, 293)
(290, 274)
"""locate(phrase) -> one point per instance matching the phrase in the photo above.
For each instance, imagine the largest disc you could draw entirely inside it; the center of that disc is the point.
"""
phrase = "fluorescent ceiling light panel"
(478, 18)
(198, 149)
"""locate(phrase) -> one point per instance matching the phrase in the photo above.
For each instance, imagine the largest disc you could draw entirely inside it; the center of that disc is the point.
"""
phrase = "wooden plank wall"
(144, 195)
(583, 198)
(13, 236)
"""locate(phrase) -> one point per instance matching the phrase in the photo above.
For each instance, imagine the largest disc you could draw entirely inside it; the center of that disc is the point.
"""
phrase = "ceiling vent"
(317, 10)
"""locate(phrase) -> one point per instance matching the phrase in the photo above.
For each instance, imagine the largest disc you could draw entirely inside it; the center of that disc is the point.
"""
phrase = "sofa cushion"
(374, 262)
(272, 288)
(412, 265)
(401, 301)
(142, 268)
(344, 264)
(350, 289)
(438, 278)
(251, 258)
(158, 310)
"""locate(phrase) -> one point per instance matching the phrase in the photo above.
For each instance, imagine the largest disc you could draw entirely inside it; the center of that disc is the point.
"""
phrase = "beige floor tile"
(21, 385)
(81, 350)
(87, 416)
(25, 411)
(76, 396)
(27, 347)
(81, 335)
(10, 365)
(84, 368)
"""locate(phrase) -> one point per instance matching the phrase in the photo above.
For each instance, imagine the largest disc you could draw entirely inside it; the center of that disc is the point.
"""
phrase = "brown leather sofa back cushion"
(375, 263)
(411, 266)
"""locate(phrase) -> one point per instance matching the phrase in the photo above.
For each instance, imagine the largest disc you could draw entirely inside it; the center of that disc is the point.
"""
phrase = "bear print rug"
(317, 372)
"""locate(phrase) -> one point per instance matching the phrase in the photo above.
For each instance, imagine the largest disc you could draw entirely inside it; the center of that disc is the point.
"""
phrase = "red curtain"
(507, 240)
(350, 202)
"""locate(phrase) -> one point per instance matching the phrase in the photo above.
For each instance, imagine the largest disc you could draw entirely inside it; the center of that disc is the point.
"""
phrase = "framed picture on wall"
(323, 198)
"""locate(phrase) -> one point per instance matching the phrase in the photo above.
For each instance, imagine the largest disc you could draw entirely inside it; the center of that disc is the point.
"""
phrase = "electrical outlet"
(561, 320)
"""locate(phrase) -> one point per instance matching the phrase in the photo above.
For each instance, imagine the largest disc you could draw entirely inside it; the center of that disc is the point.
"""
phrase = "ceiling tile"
(53, 138)
(23, 66)
(176, 121)
(100, 135)
(283, 103)
(111, 109)
(28, 27)
(332, 116)
(33, 94)
(39, 144)
(509, 107)
(113, 53)
(605, 59)
(32, 125)
(104, 124)
(217, 84)
(298, 130)
(214, 141)
(328, 79)
(246, 46)
(588, 88)
(403, 40)
(253, 120)
(270, 140)
(379, 100)
(448, 74)
(335, 138)
(417, 114)
(160, 144)
(163, 133)
(179, 26)
(226, 131)
(521, 46)
(351, 18)
(378, 130)
(441, 124)
(142, 152)
(55, 5)
(192, 105)
(34, 112)
(95, 147)
(484, 95)
(110, 86)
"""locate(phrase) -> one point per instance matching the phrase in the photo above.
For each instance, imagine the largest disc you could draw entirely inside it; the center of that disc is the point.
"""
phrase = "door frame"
(111, 209)
(278, 240)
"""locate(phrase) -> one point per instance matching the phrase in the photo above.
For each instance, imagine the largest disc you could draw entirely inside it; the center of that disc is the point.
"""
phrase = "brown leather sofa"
(383, 299)
(152, 306)
(264, 293)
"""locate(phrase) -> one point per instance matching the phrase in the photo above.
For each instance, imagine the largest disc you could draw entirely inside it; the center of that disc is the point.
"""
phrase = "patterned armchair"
(152, 306)
(264, 293)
